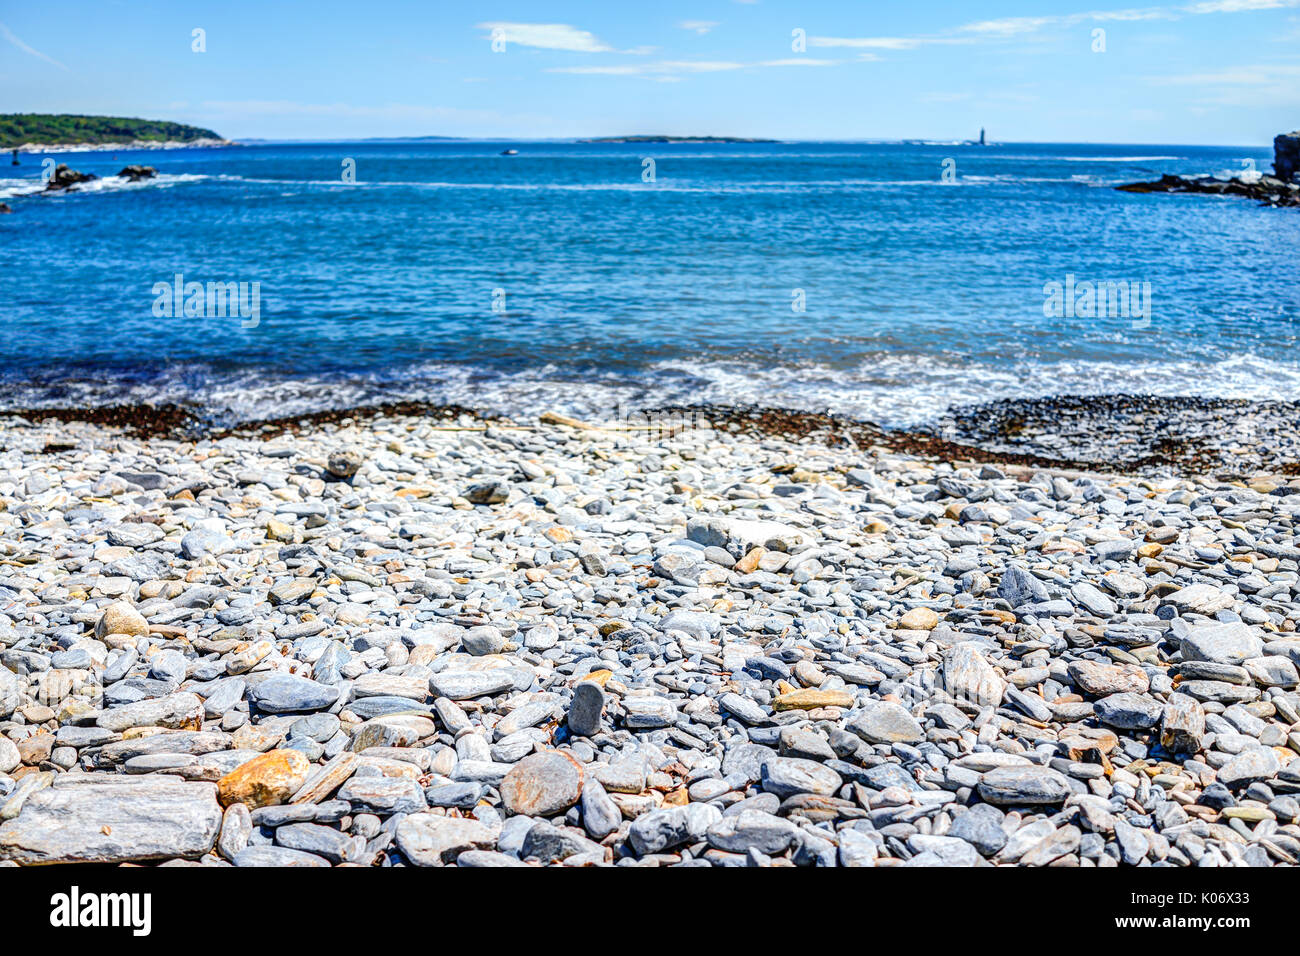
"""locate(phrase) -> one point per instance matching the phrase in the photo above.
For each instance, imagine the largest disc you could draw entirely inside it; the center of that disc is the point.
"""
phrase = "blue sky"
(1192, 71)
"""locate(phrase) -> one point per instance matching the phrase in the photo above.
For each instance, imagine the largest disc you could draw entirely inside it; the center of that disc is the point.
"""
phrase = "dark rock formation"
(1286, 157)
(135, 173)
(64, 177)
(1268, 190)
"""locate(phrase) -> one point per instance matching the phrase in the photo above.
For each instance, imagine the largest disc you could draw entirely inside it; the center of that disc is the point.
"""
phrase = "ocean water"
(561, 278)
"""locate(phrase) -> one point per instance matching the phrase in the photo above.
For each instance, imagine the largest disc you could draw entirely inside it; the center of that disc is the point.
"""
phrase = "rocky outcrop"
(135, 173)
(1268, 190)
(65, 178)
(1286, 157)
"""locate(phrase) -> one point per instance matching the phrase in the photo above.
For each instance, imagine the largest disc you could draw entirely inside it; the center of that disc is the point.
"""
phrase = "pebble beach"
(414, 640)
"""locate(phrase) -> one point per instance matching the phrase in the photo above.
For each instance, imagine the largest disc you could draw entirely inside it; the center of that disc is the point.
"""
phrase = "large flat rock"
(114, 822)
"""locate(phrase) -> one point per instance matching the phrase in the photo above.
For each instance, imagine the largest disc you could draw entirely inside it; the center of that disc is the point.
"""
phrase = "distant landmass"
(675, 139)
(62, 129)
(407, 139)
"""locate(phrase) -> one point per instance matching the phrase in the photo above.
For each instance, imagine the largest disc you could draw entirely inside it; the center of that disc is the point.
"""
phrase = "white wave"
(912, 389)
(1118, 159)
(1000, 157)
(10, 188)
(1011, 179)
(160, 181)
(894, 390)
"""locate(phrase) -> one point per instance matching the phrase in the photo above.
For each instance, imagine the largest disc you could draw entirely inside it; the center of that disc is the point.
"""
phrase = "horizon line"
(721, 141)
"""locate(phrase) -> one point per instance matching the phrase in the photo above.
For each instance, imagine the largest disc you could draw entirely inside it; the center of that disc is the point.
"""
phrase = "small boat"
(509, 152)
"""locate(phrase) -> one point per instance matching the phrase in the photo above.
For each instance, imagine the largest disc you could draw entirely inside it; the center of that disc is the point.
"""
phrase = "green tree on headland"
(17, 129)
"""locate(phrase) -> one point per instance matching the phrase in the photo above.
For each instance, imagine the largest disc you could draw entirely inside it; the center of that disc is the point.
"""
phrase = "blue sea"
(578, 277)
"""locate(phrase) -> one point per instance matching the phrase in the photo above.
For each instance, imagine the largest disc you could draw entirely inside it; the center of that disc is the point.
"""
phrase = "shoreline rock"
(1160, 434)
(66, 178)
(1267, 190)
(1286, 156)
(1280, 189)
(136, 172)
(139, 144)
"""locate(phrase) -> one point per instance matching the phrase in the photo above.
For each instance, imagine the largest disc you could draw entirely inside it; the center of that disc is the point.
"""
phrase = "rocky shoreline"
(1126, 434)
(117, 147)
(404, 639)
(1280, 189)
(1266, 190)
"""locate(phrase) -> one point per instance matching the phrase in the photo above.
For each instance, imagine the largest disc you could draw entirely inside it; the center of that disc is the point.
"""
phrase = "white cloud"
(547, 36)
(874, 43)
(1150, 13)
(799, 61)
(667, 71)
(1256, 75)
(1010, 26)
(9, 35)
(662, 67)
(1239, 6)
(562, 37)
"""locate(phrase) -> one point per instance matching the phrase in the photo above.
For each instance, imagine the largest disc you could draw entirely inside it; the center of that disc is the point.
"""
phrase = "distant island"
(675, 139)
(34, 130)
(410, 139)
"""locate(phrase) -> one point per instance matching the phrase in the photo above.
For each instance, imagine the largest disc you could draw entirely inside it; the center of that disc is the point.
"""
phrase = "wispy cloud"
(1008, 28)
(872, 43)
(1277, 74)
(1267, 85)
(1148, 13)
(672, 70)
(662, 67)
(799, 61)
(9, 35)
(1240, 6)
(868, 48)
(547, 36)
